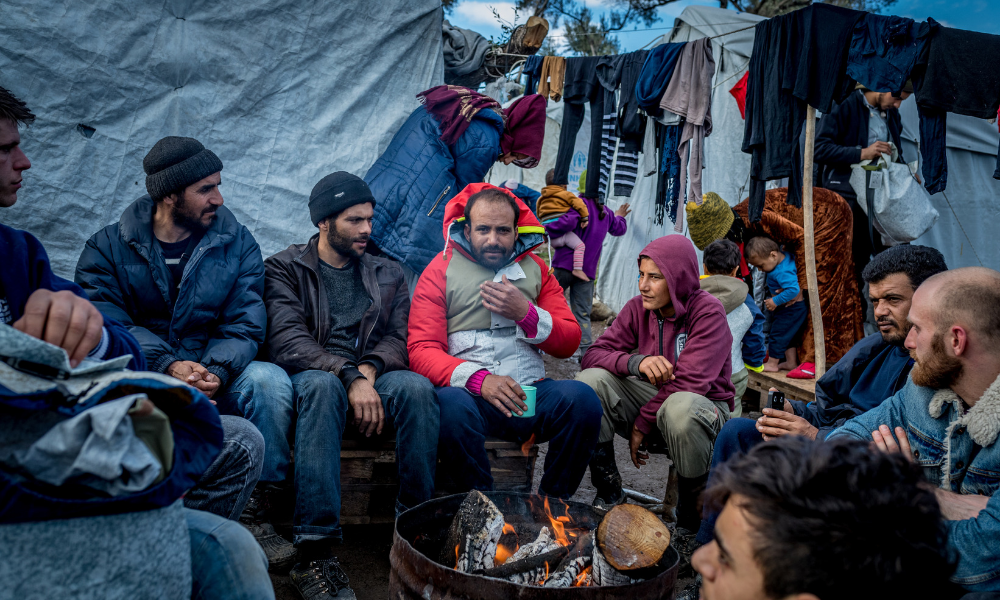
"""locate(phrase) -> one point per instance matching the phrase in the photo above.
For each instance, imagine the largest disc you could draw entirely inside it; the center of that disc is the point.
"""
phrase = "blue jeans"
(225, 487)
(263, 395)
(737, 437)
(786, 322)
(322, 406)
(567, 414)
(226, 561)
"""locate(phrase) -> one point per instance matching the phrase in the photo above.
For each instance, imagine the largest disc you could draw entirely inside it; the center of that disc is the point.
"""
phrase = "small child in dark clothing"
(789, 311)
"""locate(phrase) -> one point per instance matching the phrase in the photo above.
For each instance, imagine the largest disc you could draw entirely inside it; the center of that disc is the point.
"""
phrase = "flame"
(558, 525)
(503, 552)
(526, 446)
(456, 555)
(583, 580)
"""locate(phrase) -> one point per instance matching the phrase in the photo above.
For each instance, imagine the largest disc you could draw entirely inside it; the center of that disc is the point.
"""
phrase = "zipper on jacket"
(660, 321)
(438, 201)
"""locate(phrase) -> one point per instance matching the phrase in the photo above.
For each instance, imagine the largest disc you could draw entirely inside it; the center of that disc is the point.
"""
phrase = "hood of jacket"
(675, 257)
(730, 291)
(136, 226)
(558, 191)
(530, 231)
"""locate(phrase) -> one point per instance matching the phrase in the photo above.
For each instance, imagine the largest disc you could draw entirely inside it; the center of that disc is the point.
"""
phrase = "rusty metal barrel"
(419, 534)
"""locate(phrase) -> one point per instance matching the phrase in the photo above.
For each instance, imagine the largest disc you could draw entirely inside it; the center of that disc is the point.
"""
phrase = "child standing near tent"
(789, 311)
(555, 202)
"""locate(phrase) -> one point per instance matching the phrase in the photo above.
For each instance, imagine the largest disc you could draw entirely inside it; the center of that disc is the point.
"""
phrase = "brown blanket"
(838, 291)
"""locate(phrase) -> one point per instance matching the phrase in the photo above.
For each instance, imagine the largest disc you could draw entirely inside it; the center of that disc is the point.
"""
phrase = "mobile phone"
(776, 400)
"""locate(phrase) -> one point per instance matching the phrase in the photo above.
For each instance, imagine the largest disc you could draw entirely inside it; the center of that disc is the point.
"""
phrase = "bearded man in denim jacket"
(947, 418)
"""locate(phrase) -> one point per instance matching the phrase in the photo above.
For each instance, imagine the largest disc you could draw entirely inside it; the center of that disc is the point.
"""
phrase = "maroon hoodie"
(696, 340)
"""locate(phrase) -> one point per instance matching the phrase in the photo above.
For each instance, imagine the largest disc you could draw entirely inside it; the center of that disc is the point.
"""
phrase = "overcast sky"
(976, 15)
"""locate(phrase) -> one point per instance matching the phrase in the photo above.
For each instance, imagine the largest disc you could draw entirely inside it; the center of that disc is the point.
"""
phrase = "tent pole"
(810, 250)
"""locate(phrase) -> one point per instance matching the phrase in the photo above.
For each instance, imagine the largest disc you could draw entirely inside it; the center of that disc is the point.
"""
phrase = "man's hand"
(958, 507)
(195, 375)
(883, 440)
(623, 210)
(369, 372)
(504, 393)
(504, 299)
(776, 423)
(875, 150)
(62, 319)
(369, 416)
(656, 369)
(635, 448)
(771, 306)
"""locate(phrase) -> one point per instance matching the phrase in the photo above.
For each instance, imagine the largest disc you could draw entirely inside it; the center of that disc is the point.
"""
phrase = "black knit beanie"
(175, 163)
(336, 192)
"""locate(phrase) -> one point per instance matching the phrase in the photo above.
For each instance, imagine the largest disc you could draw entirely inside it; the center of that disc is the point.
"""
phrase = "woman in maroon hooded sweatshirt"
(673, 338)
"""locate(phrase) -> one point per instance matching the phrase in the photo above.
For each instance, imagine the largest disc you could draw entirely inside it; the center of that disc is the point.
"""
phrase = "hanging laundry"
(689, 94)
(953, 77)
(533, 71)
(581, 86)
(631, 124)
(609, 76)
(668, 181)
(464, 53)
(885, 49)
(739, 91)
(551, 80)
(655, 75)
(798, 58)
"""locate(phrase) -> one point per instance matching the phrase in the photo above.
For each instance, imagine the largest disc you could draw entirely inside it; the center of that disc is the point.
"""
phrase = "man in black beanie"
(338, 319)
(188, 281)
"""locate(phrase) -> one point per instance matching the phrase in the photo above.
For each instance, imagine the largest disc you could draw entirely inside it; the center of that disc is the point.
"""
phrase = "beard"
(496, 265)
(343, 244)
(189, 218)
(937, 371)
(898, 335)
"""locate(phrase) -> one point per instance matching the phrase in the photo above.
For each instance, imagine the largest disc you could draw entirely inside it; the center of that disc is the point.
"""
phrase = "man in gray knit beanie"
(187, 278)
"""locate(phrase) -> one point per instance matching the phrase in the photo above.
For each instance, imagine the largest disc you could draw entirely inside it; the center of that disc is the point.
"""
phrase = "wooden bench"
(794, 389)
(369, 482)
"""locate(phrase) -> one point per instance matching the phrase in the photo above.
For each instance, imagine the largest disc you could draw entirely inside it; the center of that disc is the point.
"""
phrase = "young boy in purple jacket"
(662, 372)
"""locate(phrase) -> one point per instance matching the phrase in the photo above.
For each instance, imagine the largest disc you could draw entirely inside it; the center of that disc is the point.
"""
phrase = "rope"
(740, 71)
(960, 226)
(733, 31)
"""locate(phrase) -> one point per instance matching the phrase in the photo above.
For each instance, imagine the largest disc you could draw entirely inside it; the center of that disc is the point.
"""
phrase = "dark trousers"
(786, 322)
(864, 246)
(573, 114)
(737, 437)
(567, 414)
(581, 302)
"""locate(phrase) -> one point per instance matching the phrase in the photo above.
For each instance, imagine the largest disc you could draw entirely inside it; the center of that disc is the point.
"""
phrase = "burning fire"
(583, 580)
(526, 446)
(559, 526)
(456, 555)
(503, 552)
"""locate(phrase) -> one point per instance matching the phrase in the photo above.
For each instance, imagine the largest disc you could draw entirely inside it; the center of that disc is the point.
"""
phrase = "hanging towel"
(551, 80)
(609, 76)
(533, 71)
(739, 91)
(655, 76)
(464, 52)
(631, 124)
(689, 94)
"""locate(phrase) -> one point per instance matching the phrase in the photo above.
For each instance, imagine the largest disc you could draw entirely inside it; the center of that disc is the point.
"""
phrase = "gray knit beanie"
(175, 163)
(337, 192)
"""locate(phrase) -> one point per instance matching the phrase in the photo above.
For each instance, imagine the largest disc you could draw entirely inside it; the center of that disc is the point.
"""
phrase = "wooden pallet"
(369, 482)
(795, 389)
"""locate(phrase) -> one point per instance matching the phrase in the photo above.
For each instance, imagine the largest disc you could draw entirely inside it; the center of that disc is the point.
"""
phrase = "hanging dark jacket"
(300, 315)
(841, 135)
(218, 319)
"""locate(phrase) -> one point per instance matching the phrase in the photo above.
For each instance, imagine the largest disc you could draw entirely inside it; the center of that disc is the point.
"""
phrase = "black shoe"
(321, 579)
(689, 490)
(281, 554)
(606, 478)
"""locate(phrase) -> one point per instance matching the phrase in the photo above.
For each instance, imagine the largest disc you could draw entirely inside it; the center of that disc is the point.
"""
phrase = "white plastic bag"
(903, 209)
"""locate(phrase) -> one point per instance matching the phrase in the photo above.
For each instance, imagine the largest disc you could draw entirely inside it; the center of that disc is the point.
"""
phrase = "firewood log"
(569, 568)
(604, 574)
(631, 537)
(513, 568)
(473, 535)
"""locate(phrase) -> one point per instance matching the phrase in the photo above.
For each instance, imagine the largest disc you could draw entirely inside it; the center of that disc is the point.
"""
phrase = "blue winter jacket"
(25, 268)
(958, 452)
(418, 174)
(218, 319)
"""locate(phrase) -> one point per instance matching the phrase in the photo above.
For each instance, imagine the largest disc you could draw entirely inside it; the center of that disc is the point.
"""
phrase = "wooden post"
(810, 250)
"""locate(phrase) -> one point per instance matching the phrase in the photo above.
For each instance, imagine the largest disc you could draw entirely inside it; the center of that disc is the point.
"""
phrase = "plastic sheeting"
(284, 92)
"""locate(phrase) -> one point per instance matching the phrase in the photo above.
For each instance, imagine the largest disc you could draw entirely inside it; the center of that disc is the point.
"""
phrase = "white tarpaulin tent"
(284, 92)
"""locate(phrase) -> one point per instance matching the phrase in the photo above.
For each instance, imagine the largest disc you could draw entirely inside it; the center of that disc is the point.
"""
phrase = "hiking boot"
(321, 579)
(689, 490)
(606, 478)
(281, 554)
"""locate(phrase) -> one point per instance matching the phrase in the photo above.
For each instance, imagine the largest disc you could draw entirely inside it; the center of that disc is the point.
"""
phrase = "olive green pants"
(688, 422)
(740, 381)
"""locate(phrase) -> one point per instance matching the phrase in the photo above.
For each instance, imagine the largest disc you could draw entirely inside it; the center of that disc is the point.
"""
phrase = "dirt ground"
(365, 552)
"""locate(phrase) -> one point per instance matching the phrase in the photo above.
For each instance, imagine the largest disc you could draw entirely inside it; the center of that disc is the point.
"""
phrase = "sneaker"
(281, 554)
(321, 579)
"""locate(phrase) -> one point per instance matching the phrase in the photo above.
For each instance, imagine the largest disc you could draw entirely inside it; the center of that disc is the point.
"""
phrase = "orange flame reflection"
(503, 552)
(456, 555)
(583, 580)
(526, 446)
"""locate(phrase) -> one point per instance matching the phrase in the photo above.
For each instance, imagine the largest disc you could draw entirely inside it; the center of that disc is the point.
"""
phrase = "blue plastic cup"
(529, 391)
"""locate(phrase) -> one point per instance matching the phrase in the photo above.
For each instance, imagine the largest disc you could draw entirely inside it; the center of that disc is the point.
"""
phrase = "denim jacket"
(956, 449)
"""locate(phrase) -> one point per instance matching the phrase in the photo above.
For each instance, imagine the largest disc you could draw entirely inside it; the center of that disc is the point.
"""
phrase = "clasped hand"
(504, 299)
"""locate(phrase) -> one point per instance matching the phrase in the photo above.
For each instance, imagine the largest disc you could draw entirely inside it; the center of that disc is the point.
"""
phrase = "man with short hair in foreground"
(947, 418)
(808, 520)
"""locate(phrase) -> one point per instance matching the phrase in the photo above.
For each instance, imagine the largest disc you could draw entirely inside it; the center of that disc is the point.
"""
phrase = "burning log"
(604, 574)
(527, 570)
(574, 564)
(631, 537)
(474, 534)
